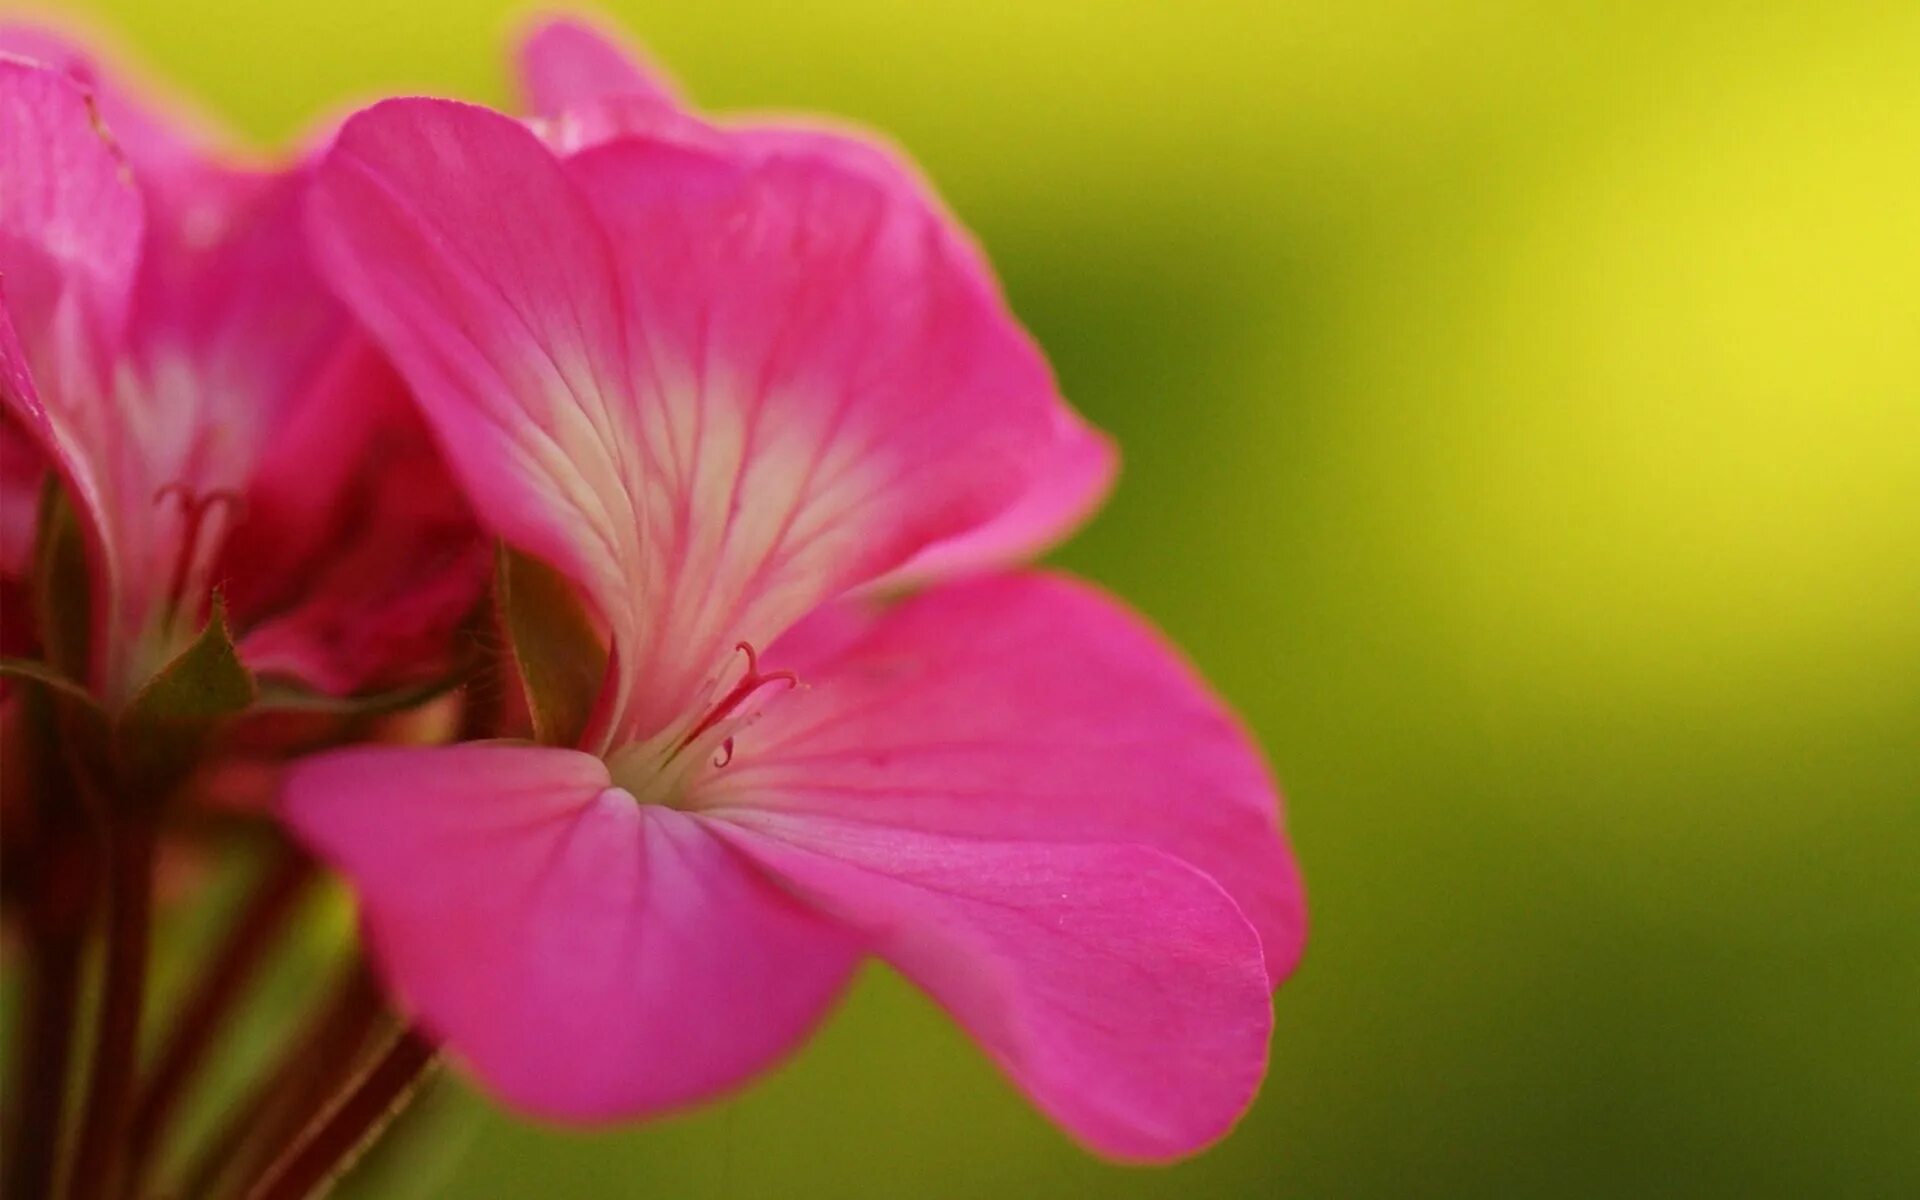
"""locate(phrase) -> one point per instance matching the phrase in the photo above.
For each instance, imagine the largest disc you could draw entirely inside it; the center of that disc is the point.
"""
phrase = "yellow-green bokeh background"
(1521, 404)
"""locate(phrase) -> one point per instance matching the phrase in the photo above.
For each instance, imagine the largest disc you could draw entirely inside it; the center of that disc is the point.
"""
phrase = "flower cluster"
(600, 529)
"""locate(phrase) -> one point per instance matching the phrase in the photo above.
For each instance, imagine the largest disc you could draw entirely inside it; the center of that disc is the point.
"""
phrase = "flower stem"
(327, 1043)
(263, 915)
(329, 1145)
(52, 869)
(46, 1055)
(97, 1159)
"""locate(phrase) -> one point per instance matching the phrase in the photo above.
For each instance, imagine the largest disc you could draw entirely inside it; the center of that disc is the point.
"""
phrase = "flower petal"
(1022, 708)
(70, 231)
(1068, 483)
(595, 90)
(1065, 483)
(456, 239)
(226, 308)
(70, 218)
(788, 388)
(358, 557)
(22, 471)
(565, 61)
(1120, 988)
(230, 320)
(826, 390)
(588, 958)
(157, 412)
(159, 132)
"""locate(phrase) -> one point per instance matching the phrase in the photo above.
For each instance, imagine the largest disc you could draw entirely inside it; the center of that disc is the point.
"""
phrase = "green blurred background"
(1521, 404)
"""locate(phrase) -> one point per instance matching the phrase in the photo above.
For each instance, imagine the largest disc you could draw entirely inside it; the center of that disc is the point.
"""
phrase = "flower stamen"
(195, 508)
(750, 683)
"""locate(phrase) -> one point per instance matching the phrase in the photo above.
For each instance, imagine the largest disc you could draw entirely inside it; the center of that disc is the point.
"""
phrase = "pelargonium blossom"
(738, 386)
(215, 419)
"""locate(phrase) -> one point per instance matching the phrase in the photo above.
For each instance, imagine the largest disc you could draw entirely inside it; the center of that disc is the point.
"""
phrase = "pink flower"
(167, 350)
(729, 381)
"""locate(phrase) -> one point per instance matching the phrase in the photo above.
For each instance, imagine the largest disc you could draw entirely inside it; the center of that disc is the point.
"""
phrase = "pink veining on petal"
(713, 390)
(827, 391)
(591, 89)
(482, 272)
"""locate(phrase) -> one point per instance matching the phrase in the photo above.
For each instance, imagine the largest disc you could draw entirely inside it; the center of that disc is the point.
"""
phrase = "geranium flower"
(736, 385)
(215, 419)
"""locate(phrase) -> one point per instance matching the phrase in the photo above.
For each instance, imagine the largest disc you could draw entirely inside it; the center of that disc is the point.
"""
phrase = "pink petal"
(1065, 483)
(223, 284)
(229, 312)
(1069, 483)
(229, 328)
(725, 392)
(23, 464)
(1121, 989)
(305, 472)
(70, 219)
(594, 90)
(70, 230)
(358, 557)
(22, 469)
(453, 234)
(158, 132)
(565, 61)
(826, 390)
(588, 958)
(1022, 708)
(158, 398)
(586, 89)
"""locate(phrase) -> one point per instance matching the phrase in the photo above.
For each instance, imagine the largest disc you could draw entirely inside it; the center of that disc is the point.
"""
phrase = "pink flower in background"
(169, 352)
(734, 384)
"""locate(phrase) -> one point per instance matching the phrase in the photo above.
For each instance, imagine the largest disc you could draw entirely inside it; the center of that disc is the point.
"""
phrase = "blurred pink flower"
(216, 419)
(729, 382)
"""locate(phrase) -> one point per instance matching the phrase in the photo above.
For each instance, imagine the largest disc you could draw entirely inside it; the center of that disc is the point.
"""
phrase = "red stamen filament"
(194, 509)
(750, 683)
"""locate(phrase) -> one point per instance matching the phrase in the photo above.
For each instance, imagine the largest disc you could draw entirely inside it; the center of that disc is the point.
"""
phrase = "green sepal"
(555, 647)
(163, 729)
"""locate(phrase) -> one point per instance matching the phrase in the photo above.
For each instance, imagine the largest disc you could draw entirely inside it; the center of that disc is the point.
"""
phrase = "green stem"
(253, 933)
(330, 1144)
(324, 1047)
